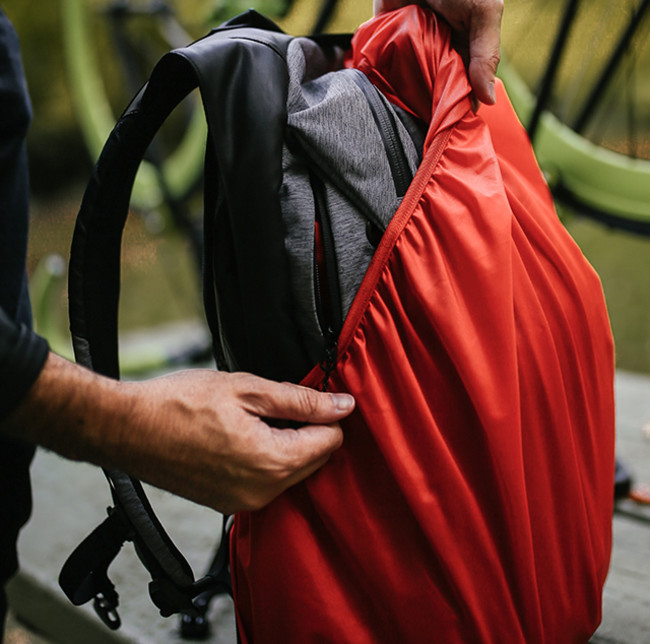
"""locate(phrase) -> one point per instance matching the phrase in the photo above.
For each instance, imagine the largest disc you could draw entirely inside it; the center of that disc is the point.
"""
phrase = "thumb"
(484, 38)
(296, 403)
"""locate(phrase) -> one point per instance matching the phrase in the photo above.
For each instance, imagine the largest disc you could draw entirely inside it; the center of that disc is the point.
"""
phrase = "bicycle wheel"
(99, 93)
(578, 75)
(106, 40)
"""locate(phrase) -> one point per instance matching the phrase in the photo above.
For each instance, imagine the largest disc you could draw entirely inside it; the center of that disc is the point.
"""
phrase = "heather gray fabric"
(333, 125)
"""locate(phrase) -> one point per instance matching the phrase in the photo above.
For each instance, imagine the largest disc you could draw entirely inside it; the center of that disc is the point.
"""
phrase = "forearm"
(73, 412)
(83, 416)
(200, 434)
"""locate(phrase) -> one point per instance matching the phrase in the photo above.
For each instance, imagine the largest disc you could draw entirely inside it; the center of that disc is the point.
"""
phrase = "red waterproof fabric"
(472, 499)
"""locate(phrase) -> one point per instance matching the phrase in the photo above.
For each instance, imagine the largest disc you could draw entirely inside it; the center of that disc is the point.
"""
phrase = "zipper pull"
(330, 357)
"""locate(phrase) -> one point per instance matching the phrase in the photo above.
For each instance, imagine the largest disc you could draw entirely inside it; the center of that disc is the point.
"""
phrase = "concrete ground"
(70, 499)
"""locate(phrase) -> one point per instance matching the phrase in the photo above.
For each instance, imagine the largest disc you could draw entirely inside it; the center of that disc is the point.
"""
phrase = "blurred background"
(161, 286)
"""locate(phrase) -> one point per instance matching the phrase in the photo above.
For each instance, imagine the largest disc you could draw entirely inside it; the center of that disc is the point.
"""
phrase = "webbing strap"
(84, 574)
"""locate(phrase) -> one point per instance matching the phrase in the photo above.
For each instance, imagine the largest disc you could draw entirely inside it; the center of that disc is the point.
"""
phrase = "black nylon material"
(225, 68)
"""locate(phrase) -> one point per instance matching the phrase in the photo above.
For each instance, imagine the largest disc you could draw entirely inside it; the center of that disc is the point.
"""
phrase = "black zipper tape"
(386, 122)
(330, 316)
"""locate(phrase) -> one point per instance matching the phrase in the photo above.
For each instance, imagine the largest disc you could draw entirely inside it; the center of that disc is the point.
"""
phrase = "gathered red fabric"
(472, 498)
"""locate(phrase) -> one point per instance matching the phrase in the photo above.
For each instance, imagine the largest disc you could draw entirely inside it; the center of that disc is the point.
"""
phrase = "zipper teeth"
(331, 323)
(329, 250)
(396, 155)
(317, 291)
(368, 288)
(387, 126)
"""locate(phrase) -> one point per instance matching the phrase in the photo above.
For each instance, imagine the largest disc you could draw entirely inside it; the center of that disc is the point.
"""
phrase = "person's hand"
(477, 29)
(216, 438)
(212, 437)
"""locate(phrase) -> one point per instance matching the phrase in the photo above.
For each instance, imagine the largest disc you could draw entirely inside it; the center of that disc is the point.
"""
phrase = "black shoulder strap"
(94, 276)
(94, 284)
(94, 273)
(237, 111)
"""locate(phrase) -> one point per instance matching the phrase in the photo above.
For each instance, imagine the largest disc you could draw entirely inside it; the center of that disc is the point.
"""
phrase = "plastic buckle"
(105, 605)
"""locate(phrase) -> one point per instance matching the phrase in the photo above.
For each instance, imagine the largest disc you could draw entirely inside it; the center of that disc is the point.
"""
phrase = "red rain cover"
(472, 498)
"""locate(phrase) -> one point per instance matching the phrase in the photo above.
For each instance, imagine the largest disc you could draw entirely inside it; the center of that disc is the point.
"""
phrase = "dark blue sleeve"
(22, 353)
(22, 356)
(15, 115)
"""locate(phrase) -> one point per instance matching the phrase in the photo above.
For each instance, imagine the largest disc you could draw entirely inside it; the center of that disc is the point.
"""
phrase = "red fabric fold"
(398, 57)
(472, 498)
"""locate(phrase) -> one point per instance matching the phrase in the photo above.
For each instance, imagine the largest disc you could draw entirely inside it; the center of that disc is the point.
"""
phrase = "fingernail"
(343, 402)
(492, 93)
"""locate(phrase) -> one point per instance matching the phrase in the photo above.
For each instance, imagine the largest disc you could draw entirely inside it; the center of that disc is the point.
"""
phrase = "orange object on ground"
(472, 498)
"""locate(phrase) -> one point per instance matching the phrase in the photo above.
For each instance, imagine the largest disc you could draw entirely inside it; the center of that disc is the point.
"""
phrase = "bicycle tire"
(600, 182)
(179, 171)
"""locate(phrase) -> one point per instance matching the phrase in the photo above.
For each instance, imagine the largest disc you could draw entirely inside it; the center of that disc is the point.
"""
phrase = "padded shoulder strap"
(94, 284)
(211, 63)
(94, 275)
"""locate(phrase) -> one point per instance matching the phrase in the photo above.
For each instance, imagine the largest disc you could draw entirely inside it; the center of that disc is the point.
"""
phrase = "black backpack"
(306, 164)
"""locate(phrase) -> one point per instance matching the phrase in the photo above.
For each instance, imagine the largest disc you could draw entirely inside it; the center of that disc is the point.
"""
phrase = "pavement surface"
(70, 499)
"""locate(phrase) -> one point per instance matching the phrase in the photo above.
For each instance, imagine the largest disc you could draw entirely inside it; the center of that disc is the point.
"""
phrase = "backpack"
(306, 163)
(474, 485)
(471, 500)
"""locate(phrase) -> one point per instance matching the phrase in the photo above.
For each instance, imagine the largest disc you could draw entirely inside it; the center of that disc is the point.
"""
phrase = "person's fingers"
(308, 448)
(282, 458)
(484, 39)
(477, 27)
(295, 403)
(379, 6)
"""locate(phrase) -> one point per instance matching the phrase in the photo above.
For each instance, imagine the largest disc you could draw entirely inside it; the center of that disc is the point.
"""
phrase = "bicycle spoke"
(611, 66)
(550, 75)
(588, 103)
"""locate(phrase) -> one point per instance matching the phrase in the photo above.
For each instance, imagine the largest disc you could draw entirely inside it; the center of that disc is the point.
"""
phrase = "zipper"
(330, 352)
(328, 362)
(386, 123)
(330, 314)
(329, 310)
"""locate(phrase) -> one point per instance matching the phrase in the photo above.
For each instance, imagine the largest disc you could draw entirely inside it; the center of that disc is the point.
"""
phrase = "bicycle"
(609, 180)
(567, 99)
(160, 25)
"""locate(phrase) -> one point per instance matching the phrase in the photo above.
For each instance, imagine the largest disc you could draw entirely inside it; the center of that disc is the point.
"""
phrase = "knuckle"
(490, 6)
(281, 467)
(308, 401)
(490, 61)
(253, 503)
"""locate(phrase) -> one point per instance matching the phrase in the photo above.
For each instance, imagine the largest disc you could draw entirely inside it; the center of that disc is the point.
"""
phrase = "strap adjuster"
(84, 575)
